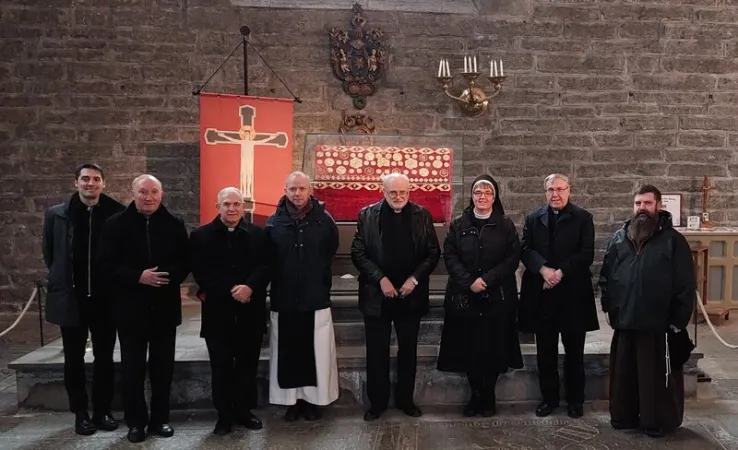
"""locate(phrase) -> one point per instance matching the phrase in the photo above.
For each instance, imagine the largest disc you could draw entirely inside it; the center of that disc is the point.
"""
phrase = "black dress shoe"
(411, 410)
(105, 422)
(544, 409)
(164, 430)
(371, 415)
(84, 426)
(488, 410)
(471, 408)
(136, 434)
(575, 411)
(310, 412)
(293, 413)
(654, 432)
(222, 427)
(624, 425)
(250, 421)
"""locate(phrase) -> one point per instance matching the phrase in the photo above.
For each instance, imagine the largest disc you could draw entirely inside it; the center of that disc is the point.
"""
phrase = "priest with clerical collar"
(395, 249)
(229, 260)
(303, 370)
(557, 297)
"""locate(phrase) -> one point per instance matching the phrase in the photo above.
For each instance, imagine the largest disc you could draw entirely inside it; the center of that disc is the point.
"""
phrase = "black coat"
(485, 336)
(366, 254)
(570, 306)
(652, 287)
(220, 260)
(302, 256)
(62, 306)
(132, 243)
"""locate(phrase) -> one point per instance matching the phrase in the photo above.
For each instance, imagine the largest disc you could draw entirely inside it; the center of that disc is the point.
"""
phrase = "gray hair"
(229, 190)
(145, 176)
(393, 176)
(556, 176)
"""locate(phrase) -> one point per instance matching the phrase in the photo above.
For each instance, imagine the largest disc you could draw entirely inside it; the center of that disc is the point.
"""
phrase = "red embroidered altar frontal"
(347, 178)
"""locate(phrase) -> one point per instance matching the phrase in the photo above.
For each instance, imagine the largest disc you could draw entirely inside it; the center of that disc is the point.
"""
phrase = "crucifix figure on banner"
(247, 137)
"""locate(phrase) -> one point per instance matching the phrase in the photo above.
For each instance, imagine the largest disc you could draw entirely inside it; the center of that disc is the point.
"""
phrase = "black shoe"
(164, 430)
(250, 421)
(617, 425)
(654, 432)
(222, 427)
(488, 407)
(83, 425)
(372, 414)
(544, 409)
(310, 412)
(575, 411)
(293, 413)
(105, 422)
(136, 434)
(411, 409)
(471, 408)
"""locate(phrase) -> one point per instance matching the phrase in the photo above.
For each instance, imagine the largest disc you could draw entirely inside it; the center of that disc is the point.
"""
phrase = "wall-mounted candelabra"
(473, 101)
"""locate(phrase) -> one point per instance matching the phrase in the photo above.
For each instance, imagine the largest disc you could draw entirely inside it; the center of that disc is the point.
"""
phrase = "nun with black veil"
(479, 338)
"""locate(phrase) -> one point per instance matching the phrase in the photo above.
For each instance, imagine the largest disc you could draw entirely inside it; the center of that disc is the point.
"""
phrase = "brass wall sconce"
(473, 101)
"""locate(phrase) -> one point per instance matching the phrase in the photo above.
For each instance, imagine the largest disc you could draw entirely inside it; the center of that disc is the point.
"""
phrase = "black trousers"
(234, 360)
(134, 344)
(547, 347)
(74, 341)
(378, 333)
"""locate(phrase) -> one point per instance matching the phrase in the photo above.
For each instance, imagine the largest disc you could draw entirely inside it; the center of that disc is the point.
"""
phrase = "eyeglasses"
(557, 190)
(398, 193)
(484, 194)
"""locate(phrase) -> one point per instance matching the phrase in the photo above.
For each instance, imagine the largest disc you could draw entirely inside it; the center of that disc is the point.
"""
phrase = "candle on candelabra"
(440, 67)
(475, 64)
(502, 74)
(490, 67)
(466, 67)
(494, 67)
(448, 71)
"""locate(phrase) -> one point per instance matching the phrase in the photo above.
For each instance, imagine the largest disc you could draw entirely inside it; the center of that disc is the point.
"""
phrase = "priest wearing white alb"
(303, 373)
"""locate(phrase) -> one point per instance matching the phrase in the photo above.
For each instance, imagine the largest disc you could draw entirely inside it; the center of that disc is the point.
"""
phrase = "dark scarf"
(299, 213)
(641, 227)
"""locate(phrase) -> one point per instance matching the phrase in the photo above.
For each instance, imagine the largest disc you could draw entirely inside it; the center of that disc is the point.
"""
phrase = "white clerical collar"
(482, 216)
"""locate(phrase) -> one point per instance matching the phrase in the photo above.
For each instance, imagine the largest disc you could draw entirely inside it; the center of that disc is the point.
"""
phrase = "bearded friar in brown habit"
(648, 290)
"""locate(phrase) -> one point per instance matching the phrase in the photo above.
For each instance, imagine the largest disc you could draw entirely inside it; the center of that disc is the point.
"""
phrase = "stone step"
(40, 379)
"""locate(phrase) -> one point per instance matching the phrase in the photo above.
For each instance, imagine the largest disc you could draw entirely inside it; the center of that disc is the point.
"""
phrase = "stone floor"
(337, 430)
(711, 421)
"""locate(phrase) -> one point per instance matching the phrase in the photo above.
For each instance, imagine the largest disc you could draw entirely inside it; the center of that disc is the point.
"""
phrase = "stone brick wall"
(611, 93)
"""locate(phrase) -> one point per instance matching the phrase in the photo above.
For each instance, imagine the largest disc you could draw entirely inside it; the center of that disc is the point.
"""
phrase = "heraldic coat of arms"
(357, 58)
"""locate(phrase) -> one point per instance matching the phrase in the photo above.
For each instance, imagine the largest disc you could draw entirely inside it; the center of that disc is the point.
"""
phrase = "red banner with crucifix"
(245, 142)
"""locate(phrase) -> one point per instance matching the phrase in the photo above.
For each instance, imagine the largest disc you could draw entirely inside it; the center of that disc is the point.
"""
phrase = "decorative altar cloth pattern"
(347, 178)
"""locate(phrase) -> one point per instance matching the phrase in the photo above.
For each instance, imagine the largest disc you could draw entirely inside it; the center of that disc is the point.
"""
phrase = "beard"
(642, 225)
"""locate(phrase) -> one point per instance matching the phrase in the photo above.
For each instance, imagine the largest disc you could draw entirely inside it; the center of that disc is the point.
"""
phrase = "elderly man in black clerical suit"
(395, 249)
(557, 297)
(143, 253)
(230, 263)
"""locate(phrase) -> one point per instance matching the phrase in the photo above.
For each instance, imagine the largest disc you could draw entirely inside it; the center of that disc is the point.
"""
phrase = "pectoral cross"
(247, 138)
(706, 188)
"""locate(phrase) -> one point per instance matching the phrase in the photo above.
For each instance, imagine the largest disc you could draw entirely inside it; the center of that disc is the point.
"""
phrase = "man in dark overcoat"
(557, 295)
(395, 249)
(144, 255)
(78, 299)
(229, 260)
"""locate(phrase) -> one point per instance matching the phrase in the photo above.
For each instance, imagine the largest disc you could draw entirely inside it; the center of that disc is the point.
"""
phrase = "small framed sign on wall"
(673, 204)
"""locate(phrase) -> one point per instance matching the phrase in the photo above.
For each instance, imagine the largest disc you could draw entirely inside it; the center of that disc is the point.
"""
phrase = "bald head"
(297, 188)
(147, 193)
